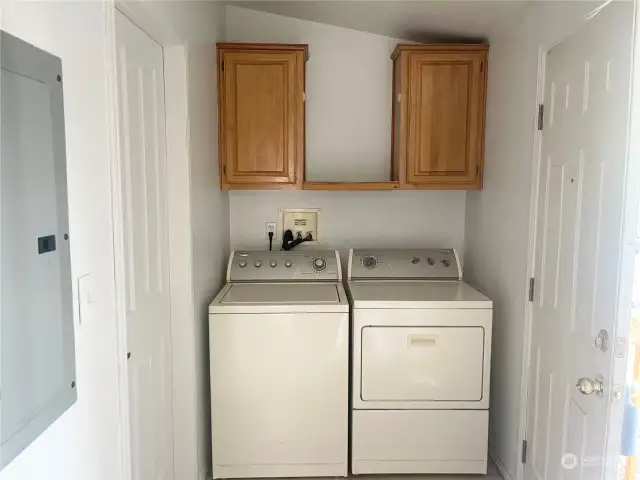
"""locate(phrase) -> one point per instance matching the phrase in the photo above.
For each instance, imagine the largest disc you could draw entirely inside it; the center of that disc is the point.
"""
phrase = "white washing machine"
(421, 362)
(279, 340)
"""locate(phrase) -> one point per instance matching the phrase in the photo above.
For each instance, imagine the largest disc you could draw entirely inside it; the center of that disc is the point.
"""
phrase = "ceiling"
(420, 21)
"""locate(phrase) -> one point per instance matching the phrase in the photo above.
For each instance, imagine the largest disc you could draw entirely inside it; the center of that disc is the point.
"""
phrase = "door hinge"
(532, 288)
(524, 451)
(540, 116)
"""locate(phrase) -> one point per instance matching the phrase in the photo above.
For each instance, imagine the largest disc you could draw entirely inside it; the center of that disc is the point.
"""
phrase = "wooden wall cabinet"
(438, 116)
(261, 115)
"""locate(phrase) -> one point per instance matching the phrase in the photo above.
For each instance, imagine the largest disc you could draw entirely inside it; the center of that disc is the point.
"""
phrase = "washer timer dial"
(319, 264)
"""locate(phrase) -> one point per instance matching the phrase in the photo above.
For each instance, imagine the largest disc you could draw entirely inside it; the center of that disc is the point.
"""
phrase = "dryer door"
(418, 364)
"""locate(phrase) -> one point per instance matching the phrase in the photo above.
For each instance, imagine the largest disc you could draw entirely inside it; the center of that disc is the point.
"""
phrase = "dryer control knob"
(242, 263)
(273, 263)
(369, 262)
(287, 263)
(257, 264)
(415, 260)
(319, 264)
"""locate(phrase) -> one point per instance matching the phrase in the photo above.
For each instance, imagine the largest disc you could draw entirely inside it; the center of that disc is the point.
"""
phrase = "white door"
(143, 179)
(578, 242)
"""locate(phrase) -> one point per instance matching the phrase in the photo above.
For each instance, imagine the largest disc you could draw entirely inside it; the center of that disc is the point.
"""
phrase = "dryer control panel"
(436, 264)
(303, 265)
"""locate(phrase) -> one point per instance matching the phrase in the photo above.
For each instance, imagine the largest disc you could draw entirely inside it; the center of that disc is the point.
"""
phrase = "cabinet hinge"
(481, 67)
(532, 288)
(540, 116)
(224, 170)
(222, 66)
(524, 451)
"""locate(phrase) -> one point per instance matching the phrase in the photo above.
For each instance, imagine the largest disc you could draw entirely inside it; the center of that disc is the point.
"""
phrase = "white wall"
(209, 220)
(198, 210)
(84, 443)
(356, 219)
(497, 218)
(348, 135)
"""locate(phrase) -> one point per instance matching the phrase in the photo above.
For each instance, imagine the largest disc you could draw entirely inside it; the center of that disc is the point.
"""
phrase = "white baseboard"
(500, 466)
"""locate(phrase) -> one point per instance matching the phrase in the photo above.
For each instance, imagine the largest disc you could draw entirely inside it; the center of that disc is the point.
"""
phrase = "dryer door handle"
(421, 340)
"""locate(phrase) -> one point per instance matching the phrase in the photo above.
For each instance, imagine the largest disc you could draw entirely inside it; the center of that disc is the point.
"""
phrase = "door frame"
(531, 249)
(162, 34)
(620, 335)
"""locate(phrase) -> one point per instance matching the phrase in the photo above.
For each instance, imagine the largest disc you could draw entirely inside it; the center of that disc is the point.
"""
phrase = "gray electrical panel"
(37, 359)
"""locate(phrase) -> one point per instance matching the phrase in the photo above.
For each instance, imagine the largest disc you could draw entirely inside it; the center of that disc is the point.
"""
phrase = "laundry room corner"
(319, 239)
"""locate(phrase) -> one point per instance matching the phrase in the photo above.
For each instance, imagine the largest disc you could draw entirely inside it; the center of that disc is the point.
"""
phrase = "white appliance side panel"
(476, 370)
(422, 363)
(279, 394)
(420, 441)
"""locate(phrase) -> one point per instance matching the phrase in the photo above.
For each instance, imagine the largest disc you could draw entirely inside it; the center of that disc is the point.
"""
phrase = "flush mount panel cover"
(37, 373)
(300, 220)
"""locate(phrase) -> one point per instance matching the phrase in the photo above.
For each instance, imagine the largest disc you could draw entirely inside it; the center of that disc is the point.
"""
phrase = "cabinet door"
(262, 118)
(446, 119)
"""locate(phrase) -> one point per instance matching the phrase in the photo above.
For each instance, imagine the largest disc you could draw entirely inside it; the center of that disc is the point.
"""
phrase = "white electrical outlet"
(270, 227)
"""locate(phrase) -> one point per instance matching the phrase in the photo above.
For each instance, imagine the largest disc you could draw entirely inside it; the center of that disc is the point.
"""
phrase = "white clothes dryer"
(421, 362)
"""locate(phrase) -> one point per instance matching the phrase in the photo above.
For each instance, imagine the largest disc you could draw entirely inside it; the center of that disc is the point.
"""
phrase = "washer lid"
(278, 293)
(416, 294)
(280, 297)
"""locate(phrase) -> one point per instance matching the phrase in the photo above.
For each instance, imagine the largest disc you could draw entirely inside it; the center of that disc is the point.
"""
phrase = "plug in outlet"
(270, 227)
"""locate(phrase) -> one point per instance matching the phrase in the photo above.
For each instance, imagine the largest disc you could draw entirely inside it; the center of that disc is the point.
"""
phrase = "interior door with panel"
(577, 253)
(261, 116)
(143, 171)
(446, 112)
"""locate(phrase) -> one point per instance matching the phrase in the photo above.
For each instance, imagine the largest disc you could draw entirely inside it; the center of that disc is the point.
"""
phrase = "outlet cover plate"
(303, 220)
(271, 227)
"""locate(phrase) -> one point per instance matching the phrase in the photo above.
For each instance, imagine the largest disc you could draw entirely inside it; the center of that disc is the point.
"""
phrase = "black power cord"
(288, 242)
(270, 240)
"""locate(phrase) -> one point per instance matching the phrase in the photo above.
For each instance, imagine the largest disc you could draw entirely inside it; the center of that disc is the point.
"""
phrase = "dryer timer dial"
(369, 262)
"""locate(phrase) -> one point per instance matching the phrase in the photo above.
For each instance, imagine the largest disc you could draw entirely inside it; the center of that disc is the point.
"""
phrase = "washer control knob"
(287, 264)
(242, 263)
(431, 261)
(257, 264)
(319, 264)
(369, 262)
(273, 263)
(446, 263)
(415, 260)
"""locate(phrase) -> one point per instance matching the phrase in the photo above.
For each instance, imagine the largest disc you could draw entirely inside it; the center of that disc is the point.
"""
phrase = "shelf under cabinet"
(351, 185)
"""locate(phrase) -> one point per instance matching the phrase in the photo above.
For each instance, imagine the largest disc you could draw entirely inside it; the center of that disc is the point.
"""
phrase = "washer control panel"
(436, 263)
(303, 265)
